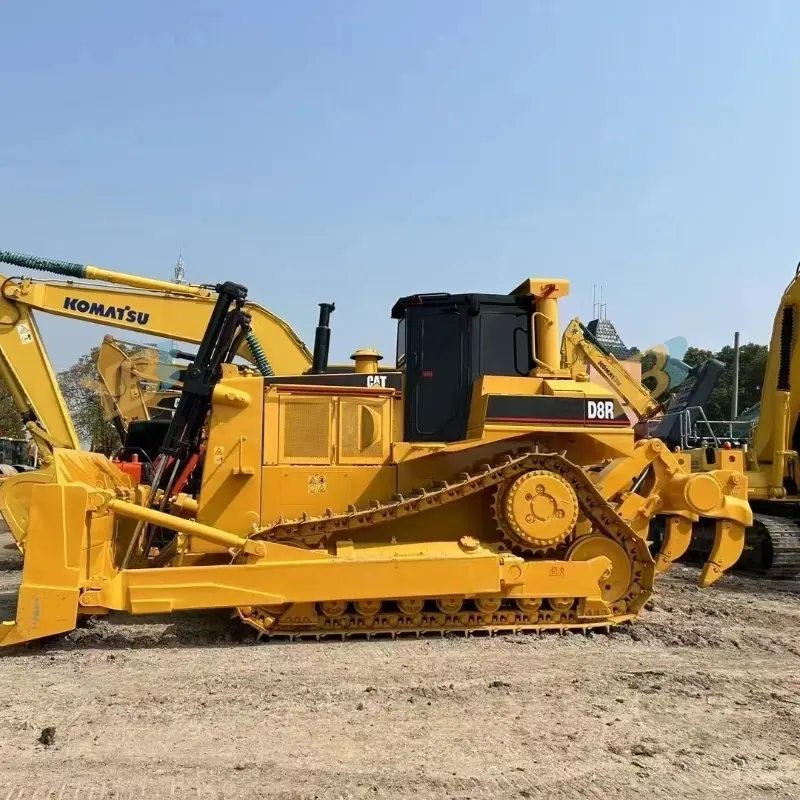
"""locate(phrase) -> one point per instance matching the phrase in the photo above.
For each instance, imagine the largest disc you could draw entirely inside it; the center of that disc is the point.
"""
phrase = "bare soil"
(700, 698)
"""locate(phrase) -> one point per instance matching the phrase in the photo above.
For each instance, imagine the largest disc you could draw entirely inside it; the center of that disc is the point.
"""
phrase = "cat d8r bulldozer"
(479, 487)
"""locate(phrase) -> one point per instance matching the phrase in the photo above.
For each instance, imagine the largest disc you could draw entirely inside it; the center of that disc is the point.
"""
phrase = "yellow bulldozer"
(479, 486)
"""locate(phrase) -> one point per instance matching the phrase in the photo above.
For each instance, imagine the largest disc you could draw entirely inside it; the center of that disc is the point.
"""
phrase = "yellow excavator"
(136, 383)
(159, 309)
(580, 349)
(478, 487)
(772, 545)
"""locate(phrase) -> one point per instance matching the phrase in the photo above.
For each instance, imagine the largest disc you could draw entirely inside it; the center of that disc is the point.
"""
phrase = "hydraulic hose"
(65, 268)
(259, 356)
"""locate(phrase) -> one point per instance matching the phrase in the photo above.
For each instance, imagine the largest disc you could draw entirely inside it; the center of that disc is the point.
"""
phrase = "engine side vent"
(361, 433)
(305, 430)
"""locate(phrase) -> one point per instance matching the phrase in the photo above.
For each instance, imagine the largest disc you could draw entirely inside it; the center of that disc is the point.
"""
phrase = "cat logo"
(599, 409)
(376, 380)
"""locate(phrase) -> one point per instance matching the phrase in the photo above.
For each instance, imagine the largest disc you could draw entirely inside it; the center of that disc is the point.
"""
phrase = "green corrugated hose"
(43, 264)
(259, 356)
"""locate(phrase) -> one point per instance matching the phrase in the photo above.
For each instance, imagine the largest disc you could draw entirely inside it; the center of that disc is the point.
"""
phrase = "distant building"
(604, 331)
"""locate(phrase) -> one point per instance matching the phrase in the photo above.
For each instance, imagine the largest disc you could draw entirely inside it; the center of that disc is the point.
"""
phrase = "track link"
(783, 534)
(432, 625)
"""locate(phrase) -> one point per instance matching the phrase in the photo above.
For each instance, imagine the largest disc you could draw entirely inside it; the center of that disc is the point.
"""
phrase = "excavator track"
(783, 535)
(387, 617)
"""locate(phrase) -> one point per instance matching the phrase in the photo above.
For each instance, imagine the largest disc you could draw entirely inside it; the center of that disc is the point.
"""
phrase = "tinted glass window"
(400, 358)
(505, 344)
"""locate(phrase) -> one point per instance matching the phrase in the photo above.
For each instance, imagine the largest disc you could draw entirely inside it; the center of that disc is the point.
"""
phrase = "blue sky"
(359, 151)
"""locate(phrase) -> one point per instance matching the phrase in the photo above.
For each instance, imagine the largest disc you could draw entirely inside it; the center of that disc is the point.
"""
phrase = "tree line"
(752, 366)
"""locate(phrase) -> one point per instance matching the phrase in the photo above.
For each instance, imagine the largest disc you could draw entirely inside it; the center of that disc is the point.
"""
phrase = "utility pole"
(735, 395)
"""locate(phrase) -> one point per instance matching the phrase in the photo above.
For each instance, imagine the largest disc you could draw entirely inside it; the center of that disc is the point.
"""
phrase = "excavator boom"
(161, 314)
(148, 306)
(780, 405)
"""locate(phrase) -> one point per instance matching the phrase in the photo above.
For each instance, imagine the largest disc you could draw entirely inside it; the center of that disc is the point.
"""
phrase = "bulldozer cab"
(445, 342)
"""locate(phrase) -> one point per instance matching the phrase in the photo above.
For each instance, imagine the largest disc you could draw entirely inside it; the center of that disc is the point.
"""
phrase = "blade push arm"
(579, 347)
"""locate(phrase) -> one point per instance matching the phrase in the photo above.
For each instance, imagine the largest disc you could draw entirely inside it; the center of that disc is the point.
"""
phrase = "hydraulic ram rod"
(187, 526)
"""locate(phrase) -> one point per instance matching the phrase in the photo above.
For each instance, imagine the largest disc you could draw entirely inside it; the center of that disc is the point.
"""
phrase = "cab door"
(436, 375)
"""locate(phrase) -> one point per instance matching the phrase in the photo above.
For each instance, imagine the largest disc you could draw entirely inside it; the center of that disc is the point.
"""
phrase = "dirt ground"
(699, 699)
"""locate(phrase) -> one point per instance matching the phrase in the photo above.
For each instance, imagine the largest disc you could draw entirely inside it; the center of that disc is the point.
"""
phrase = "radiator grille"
(306, 428)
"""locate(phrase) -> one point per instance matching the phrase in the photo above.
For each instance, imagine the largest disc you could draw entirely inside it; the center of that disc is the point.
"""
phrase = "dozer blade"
(726, 551)
(677, 537)
(48, 596)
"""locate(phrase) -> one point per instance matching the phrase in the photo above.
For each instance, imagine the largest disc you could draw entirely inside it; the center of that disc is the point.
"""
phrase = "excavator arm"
(31, 381)
(780, 401)
(579, 348)
(153, 307)
(132, 382)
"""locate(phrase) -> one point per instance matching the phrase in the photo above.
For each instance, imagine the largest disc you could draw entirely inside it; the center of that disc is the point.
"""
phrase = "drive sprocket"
(537, 511)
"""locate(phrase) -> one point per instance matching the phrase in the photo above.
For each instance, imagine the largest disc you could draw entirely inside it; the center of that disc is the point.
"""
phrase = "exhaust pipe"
(322, 339)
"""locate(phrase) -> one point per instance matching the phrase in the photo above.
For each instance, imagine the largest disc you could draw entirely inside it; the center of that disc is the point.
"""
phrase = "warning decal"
(25, 335)
(316, 484)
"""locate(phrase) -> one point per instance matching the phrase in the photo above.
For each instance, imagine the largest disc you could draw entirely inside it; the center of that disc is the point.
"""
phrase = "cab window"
(401, 344)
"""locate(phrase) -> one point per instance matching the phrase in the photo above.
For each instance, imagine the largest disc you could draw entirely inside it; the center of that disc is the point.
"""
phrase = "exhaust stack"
(322, 339)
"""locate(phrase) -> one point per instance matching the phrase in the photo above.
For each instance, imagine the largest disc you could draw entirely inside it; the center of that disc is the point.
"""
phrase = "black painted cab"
(445, 343)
